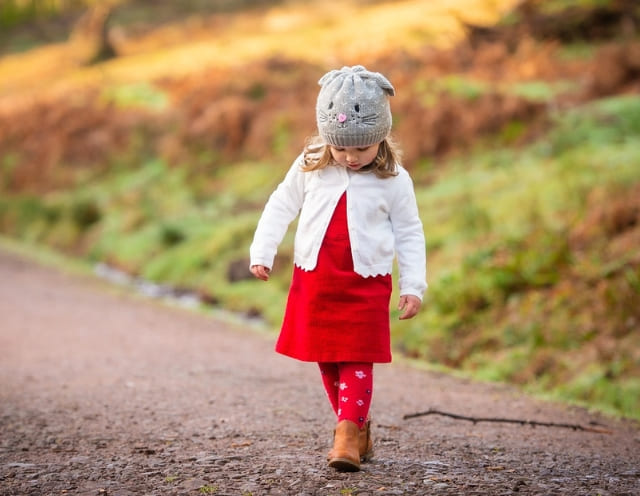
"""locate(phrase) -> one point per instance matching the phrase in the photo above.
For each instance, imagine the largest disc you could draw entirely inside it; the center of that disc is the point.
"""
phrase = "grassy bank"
(532, 281)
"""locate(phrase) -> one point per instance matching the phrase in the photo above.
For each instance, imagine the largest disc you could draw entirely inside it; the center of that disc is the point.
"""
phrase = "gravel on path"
(103, 392)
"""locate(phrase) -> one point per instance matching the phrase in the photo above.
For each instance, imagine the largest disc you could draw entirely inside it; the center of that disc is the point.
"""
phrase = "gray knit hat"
(353, 108)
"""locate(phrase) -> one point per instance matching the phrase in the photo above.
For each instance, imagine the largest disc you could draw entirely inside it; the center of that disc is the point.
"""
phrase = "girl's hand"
(410, 305)
(261, 272)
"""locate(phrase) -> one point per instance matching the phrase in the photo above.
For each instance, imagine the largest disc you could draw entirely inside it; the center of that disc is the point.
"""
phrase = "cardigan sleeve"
(280, 210)
(409, 238)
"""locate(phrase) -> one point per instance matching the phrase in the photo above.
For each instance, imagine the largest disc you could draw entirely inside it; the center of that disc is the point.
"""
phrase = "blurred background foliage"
(146, 137)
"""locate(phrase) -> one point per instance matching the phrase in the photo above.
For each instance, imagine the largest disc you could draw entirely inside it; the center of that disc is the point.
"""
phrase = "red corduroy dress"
(333, 314)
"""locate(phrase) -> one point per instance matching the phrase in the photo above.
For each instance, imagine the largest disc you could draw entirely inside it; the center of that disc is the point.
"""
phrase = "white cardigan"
(382, 217)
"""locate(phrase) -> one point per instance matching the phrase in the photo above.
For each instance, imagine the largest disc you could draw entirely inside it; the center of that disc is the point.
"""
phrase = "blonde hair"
(317, 155)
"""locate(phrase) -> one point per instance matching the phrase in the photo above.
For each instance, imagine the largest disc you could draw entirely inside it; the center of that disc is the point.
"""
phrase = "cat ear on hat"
(383, 82)
(330, 76)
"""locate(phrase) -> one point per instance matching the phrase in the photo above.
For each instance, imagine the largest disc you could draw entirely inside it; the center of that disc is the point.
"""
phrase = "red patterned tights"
(349, 386)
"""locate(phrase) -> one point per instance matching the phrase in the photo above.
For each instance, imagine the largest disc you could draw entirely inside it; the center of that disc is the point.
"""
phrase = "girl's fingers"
(260, 271)
(410, 305)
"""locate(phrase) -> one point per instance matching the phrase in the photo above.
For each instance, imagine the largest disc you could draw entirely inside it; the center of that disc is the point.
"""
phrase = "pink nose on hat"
(342, 117)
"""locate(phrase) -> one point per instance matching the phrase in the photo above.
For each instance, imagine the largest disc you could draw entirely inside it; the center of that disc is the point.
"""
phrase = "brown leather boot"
(365, 443)
(345, 455)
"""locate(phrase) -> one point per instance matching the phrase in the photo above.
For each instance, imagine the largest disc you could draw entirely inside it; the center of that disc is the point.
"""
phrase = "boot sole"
(367, 457)
(344, 465)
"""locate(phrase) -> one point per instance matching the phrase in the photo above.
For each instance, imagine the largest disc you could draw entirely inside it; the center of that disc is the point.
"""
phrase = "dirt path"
(103, 392)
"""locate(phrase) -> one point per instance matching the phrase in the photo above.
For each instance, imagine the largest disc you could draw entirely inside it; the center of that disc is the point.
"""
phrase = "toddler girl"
(357, 212)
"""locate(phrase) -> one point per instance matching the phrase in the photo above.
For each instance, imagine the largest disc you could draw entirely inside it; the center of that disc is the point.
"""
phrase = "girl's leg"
(352, 440)
(355, 390)
(331, 381)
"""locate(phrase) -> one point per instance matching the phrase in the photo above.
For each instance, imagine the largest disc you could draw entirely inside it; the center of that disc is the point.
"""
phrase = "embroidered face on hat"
(353, 107)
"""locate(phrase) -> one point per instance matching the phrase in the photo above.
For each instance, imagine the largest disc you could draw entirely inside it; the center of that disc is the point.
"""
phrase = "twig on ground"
(532, 423)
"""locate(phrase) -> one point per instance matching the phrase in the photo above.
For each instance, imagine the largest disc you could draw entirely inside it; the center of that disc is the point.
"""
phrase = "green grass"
(136, 95)
(470, 89)
(498, 224)
(16, 12)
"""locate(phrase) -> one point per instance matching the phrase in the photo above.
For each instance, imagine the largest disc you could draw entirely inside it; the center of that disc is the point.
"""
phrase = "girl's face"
(354, 157)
